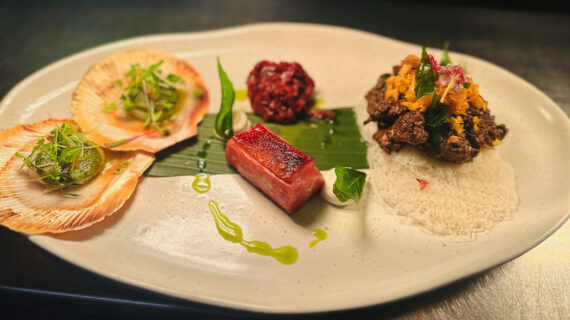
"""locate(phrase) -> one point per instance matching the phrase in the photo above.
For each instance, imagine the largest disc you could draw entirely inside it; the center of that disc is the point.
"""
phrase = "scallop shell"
(26, 208)
(98, 88)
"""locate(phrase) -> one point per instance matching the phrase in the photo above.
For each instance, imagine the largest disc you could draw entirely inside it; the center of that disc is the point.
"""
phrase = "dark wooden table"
(533, 44)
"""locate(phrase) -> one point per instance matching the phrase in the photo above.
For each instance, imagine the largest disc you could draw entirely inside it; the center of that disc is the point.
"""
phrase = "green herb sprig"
(445, 56)
(436, 117)
(65, 157)
(151, 93)
(223, 124)
(349, 184)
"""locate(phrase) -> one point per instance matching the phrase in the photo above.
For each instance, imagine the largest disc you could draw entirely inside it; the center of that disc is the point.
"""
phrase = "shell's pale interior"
(98, 89)
(25, 205)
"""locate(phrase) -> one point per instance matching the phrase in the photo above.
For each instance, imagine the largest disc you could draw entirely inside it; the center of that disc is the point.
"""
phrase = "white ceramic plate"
(165, 239)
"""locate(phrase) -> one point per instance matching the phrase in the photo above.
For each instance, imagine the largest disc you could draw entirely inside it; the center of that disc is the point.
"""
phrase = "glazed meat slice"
(285, 174)
(385, 112)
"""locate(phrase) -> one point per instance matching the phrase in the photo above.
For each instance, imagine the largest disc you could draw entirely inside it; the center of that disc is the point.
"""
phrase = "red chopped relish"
(280, 92)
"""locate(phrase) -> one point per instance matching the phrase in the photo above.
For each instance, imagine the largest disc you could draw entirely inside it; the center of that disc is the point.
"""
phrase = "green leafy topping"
(65, 157)
(150, 96)
(445, 57)
(110, 108)
(466, 85)
(119, 83)
(436, 117)
(425, 77)
(121, 168)
(436, 114)
(223, 124)
(198, 94)
(349, 184)
(71, 194)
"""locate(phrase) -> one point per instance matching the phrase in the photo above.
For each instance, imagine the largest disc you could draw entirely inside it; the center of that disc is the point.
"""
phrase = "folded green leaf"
(223, 125)
(349, 184)
(425, 77)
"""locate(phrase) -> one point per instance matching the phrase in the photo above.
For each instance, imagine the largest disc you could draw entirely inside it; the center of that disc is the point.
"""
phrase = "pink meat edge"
(306, 181)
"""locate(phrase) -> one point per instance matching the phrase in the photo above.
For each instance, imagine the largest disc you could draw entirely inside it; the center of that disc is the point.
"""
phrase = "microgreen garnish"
(121, 168)
(223, 124)
(120, 142)
(425, 77)
(110, 108)
(198, 93)
(119, 83)
(65, 157)
(151, 94)
(445, 56)
(349, 184)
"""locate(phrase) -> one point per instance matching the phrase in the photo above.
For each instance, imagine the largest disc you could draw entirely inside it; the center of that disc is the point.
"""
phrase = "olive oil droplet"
(320, 234)
(201, 183)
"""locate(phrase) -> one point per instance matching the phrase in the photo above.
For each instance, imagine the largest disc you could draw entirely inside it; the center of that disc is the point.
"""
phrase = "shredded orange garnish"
(497, 142)
(457, 124)
(404, 83)
(456, 102)
(476, 123)
(473, 96)
(400, 83)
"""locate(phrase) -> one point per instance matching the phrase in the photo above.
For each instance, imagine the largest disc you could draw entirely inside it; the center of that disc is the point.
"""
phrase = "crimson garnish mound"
(282, 92)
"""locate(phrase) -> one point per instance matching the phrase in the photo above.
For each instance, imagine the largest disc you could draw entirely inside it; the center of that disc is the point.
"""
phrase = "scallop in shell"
(102, 86)
(27, 208)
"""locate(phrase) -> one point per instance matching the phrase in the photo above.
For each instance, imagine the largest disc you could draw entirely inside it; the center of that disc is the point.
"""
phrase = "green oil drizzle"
(241, 95)
(320, 234)
(318, 104)
(232, 232)
(202, 154)
(201, 183)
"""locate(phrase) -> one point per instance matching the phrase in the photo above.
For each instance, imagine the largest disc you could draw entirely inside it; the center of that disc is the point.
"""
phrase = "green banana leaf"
(331, 143)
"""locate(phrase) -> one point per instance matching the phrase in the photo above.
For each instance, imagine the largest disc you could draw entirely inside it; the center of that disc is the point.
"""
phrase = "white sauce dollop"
(240, 122)
(327, 189)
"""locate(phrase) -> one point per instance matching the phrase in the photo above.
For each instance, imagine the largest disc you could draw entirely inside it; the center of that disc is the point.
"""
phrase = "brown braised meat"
(381, 136)
(383, 111)
(409, 128)
(456, 148)
(397, 126)
(485, 132)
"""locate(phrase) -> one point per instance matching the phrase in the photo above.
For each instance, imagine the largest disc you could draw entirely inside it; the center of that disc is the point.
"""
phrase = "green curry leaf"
(445, 57)
(349, 184)
(425, 77)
